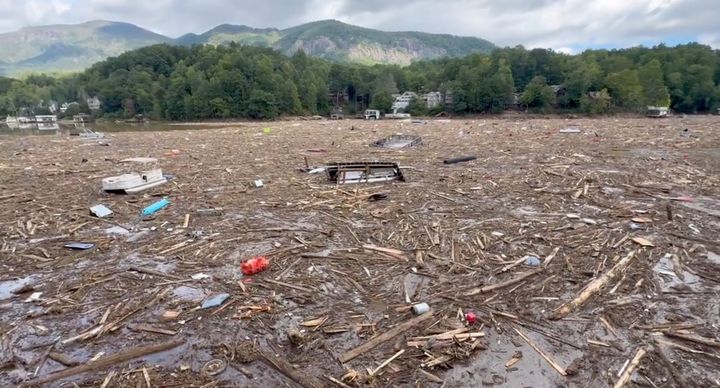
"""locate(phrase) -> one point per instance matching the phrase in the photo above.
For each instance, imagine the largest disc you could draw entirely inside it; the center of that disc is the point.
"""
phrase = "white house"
(402, 101)
(433, 99)
(93, 103)
(52, 106)
(64, 107)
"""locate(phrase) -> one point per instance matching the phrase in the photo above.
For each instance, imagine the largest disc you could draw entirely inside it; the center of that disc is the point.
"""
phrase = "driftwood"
(547, 358)
(395, 331)
(693, 338)
(592, 288)
(507, 283)
(106, 361)
(625, 377)
(288, 370)
(63, 359)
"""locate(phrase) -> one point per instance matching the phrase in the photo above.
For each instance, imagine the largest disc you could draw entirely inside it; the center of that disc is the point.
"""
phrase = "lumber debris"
(592, 288)
(387, 335)
(106, 361)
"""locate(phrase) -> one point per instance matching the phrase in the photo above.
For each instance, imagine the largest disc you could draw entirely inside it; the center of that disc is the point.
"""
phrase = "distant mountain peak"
(73, 47)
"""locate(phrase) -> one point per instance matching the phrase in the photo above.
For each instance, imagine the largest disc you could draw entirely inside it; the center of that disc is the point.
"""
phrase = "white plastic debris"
(34, 297)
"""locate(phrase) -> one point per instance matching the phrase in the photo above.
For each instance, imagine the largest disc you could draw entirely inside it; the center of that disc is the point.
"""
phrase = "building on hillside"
(64, 107)
(402, 101)
(52, 106)
(560, 92)
(93, 103)
(433, 99)
(338, 98)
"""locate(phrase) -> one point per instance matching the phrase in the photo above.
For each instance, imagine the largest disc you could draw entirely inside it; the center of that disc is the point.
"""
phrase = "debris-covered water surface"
(548, 258)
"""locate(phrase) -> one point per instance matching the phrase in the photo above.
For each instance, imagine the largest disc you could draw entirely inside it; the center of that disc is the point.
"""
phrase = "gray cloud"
(559, 24)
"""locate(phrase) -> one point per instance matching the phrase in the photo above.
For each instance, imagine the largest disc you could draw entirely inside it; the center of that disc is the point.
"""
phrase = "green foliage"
(538, 95)
(72, 110)
(262, 105)
(382, 101)
(208, 82)
(626, 90)
(655, 93)
(596, 103)
(417, 107)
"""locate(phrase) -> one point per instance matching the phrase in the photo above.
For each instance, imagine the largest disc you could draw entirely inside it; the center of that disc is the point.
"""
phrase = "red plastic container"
(255, 265)
(470, 318)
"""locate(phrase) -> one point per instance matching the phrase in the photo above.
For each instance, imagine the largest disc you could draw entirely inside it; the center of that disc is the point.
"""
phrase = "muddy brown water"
(518, 198)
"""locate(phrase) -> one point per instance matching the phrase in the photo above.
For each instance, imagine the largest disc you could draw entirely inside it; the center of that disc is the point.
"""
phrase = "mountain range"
(74, 47)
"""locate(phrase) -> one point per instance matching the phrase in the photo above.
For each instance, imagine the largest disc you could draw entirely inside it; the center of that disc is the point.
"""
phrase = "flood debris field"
(553, 259)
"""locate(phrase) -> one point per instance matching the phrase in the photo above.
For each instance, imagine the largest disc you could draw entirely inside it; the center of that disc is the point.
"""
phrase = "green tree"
(382, 101)
(72, 110)
(262, 105)
(655, 93)
(585, 76)
(417, 107)
(594, 103)
(538, 95)
(501, 88)
(626, 90)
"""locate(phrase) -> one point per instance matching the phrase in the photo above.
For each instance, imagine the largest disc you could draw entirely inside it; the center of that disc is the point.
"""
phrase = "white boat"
(47, 122)
(15, 120)
(134, 183)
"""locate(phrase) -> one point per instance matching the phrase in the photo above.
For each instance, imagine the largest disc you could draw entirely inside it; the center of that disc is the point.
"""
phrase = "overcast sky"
(565, 25)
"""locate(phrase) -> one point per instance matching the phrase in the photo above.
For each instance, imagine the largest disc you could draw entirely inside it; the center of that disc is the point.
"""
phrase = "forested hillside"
(74, 47)
(180, 83)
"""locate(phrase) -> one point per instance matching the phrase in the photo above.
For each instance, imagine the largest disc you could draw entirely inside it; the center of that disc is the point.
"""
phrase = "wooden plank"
(625, 377)
(388, 335)
(592, 288)
(106, 361)
(507, 283)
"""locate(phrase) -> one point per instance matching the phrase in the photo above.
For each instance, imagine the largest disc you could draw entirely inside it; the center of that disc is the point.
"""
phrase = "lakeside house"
(93, 103)
(402, 101)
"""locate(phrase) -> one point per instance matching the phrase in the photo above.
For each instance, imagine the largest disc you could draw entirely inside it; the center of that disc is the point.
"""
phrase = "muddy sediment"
(510, 237)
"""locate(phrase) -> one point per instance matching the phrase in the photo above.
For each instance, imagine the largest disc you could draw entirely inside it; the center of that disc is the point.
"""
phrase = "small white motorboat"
(134, 183)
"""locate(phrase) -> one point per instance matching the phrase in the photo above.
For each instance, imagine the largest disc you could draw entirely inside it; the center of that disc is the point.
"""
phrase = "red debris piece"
(255, 265)
(470, 318)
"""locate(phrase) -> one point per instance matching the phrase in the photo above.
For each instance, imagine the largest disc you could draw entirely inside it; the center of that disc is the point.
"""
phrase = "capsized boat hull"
(134, 183)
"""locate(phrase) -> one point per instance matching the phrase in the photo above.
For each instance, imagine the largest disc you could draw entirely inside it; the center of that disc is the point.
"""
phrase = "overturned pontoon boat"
(134, 183)
(364, 172)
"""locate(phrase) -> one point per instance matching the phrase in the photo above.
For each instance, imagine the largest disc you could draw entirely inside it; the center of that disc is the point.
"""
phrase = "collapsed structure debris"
(398, 141)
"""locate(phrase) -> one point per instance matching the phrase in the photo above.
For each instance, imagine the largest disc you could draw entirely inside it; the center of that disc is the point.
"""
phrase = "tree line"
(232, 81)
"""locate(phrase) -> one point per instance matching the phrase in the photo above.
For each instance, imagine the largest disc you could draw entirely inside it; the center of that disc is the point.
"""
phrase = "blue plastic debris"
(150, 210)
(532, 261)
(214, 301)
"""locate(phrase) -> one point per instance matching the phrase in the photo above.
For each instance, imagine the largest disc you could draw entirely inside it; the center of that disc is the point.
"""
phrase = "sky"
(562, 25)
